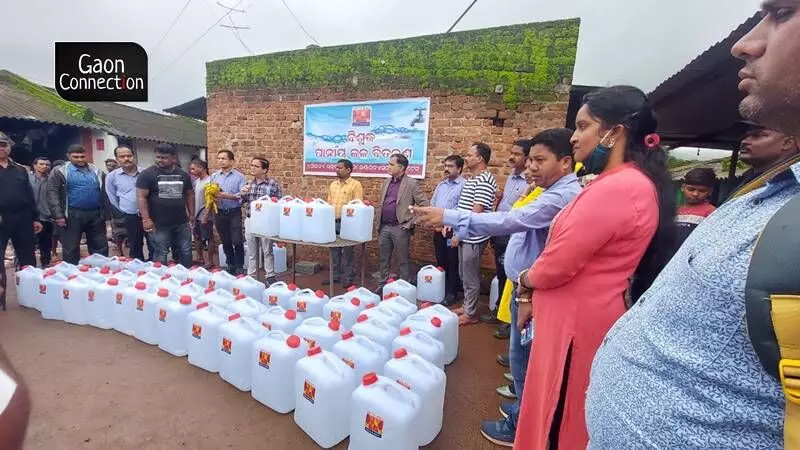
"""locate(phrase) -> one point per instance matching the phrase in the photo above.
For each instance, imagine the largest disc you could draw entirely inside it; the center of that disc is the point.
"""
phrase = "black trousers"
(447, 258)
(17, 228)
(45, 243)
(79, 222)
(137, 236)
(230, 227)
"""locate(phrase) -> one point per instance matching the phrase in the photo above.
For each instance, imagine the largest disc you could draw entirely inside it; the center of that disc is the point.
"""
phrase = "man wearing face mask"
(446, 196)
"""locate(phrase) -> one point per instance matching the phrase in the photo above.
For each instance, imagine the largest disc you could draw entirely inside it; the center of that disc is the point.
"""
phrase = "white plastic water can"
(151, 278)
(221, 279)
(357, 221)
(223, 260)
(427, 381)
(365, 295)
(277, 318)
(202, 331)
(65, 268)
(246, 306)
(401, 287)
(422, 344)
(249, 286)
(178, 271)
(95, 274)
(75, 296)
(191, 289)
(100, 308)
(156, 267)
(433, 326)
(279, 255)
(50, 295)
(431, 284)
(309, 302)
(291, 220)
(134, 265)
(116, 262)
(385, 314)
(169, 283)
(494, 294)
(200, 276)
(384, 415)
(323, 386)
(361, 353)
(125, 306)
(280, 294)
(400, 305)
(273, 364)
(217, 297)
(450, 325)
(171, 325)
(317, 331)
(265, 216)
(145, 316)
(236, 339)
(343, 310)
(94, 260)
(319, 222)
(375, 329)
(27, 281)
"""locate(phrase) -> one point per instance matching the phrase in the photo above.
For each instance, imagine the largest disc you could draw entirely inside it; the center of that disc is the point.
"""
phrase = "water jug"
(279, 255)
(246, 306)
(223, 259)
(145, 316)
(422, 344)
(171, 325)
(125, 277)
(179, 272)
(169, 283)
(317, 331)
(265, 216)
(427, 381)
(236, 339)
(309, 302)
(273, 364)
(323, 385)
(357, 220)
(291, 221)
(319, 222)
(344, 311)
(125, 306)
(384, 415)
(450, 325)
(400, 305)
(430, 284)
(191, 289)
(433, 326)
(100, 308)
(150, 278)
(134, 265)
(65, 268)
(117, 262)
(277, 318)
(375, 329)
(385, 314)
(365, 295)
(494, 294)
(361, 353)
(217, 297)
(97, 275)
(94, 260)
(402, 287)
(75, 296)
(248, 286)
(221, 279)
(202, 331)
(28, 280)
(50, 295)
(280, 294)
(156, 267)
(200, 276)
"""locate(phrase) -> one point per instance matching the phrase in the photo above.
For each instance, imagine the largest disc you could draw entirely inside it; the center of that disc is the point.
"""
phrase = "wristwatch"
(522, 300)
(522, 276)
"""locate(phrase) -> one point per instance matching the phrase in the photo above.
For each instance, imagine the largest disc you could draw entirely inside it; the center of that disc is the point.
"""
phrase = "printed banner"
(366, 133)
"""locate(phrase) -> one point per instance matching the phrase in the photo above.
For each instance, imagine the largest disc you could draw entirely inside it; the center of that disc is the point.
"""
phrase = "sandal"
(466, 319)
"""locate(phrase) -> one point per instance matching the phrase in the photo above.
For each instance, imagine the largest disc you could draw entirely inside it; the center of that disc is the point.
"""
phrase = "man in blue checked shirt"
(228, 220)
(446, 196)
(261, 186)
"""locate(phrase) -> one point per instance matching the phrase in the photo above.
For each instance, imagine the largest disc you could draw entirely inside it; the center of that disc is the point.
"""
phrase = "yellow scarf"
(210, 195)
(504, 310)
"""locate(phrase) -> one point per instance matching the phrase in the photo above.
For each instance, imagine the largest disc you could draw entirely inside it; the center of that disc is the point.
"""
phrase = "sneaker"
(502, 359)
(490, 318)
(507, 391)
(508, 377)
(271, 281)
(505, 409)
(503, 331)
(498, 432)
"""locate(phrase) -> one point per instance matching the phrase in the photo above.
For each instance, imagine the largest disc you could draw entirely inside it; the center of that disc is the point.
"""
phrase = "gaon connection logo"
(101, 71)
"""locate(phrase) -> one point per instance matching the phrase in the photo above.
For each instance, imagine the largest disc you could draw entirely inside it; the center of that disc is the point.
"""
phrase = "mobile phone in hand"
(526, 335)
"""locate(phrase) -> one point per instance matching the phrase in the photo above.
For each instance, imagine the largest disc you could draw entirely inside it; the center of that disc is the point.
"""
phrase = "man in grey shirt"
(40, 170)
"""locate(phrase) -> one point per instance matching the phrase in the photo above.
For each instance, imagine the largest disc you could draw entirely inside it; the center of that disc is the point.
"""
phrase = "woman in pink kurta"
(620, 222)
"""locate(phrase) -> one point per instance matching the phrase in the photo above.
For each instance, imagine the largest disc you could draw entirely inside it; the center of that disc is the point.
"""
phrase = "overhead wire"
(171, 26)
(297, 21)
(461, 16)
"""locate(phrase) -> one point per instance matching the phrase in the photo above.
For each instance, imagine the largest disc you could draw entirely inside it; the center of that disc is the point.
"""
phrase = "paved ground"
(95, 389)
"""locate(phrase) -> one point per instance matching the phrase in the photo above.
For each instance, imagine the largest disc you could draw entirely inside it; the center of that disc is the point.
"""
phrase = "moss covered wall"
(529, 60)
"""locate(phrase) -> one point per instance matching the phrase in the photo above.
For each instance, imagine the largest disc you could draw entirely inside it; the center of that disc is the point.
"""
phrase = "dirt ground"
(98, 389)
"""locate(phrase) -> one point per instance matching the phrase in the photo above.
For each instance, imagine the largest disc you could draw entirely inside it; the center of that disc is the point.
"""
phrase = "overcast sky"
(640, 42)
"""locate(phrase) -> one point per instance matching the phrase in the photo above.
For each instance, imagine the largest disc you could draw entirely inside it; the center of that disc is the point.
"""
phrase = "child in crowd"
(698, 184)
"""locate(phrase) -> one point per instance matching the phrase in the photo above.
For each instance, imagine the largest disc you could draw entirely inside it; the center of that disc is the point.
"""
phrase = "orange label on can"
(212, 284)
(349, 362)
(162, 315)
(91, 296)
(336, 315)
(373, 424)
(309, 212)
(197, 331)
(310, 342)
(309, 391)
(428, 278)
(237, 291)
(140, 304)
(65, 292)
(119, 298)
(43, 289)
(263, 359)
(272, 300)
(226, 345)
(287, 211)
(301, 306)
(349, 212)
(258, 206)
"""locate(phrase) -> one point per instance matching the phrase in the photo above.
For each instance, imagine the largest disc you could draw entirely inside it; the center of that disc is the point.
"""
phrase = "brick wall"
(269, 123)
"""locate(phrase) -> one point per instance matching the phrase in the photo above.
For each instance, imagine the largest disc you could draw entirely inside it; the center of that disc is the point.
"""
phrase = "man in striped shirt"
(446, 196)
(477, 196)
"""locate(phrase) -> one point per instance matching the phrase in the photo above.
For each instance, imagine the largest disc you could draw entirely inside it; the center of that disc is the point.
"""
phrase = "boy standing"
(698, 184)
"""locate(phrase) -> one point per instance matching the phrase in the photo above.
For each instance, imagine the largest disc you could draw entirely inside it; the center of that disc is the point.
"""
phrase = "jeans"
(518, 356)
(80, 221)
(166, 237)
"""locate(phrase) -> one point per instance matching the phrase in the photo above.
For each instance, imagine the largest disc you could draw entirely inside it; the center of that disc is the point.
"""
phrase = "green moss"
(52, 99)
(530, 60)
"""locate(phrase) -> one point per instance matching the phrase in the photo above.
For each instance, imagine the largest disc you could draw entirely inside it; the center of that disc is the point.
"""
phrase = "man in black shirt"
(166, 201)
(19, 218)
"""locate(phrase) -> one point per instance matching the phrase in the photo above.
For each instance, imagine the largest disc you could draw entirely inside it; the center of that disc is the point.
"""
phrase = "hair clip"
(652, 140)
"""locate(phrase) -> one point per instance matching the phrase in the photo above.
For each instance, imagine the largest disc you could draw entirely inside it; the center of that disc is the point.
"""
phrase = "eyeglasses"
(4, 144)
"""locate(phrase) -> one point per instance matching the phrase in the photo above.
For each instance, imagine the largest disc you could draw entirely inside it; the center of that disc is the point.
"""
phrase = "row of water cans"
(278, 254)
(310, 220)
